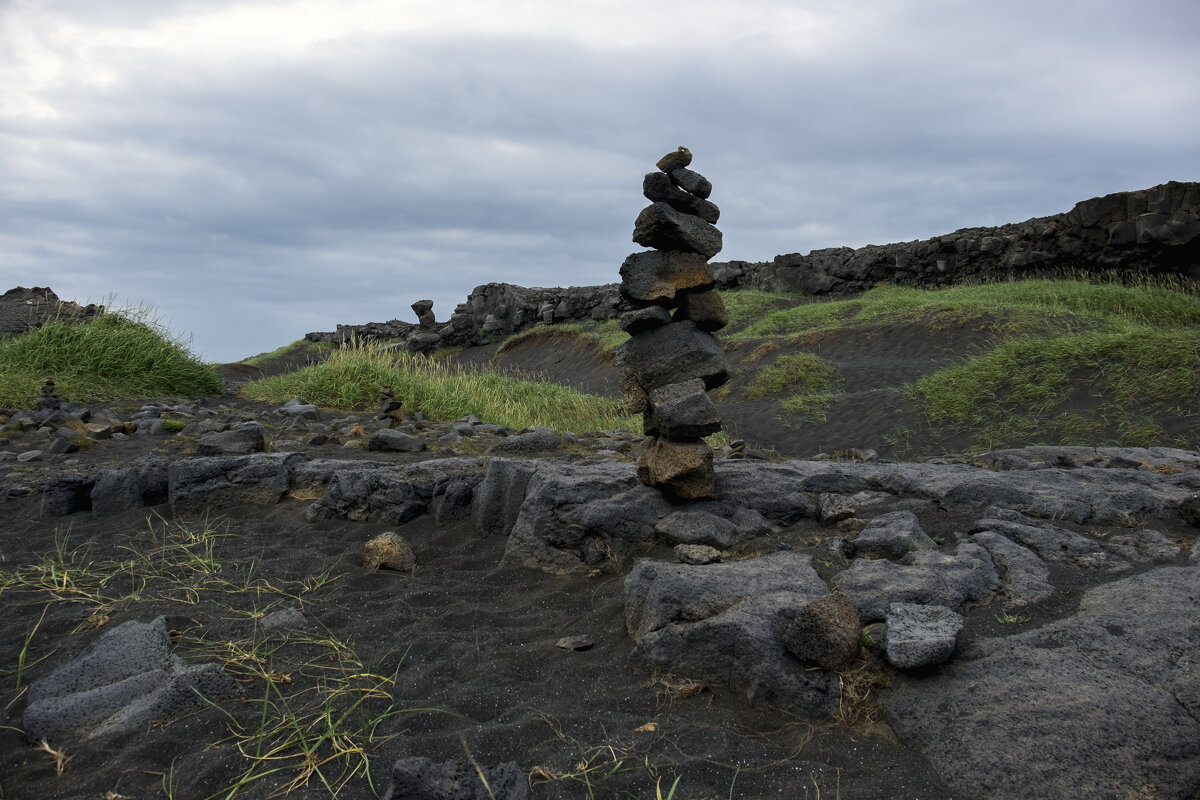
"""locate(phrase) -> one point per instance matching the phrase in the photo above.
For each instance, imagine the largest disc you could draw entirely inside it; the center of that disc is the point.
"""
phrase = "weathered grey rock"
(658, 594)
(705, 309)
(299, 410)
(117, 490)
(681, 470)
(66, 494)
(662, 227)
(722, 623)
(378, 495)
(925, 577)
(834, 507)
(391, 440)
(538, 440)
(658, 186)
(674, 353)
(1048, 541)
(242, 439)
(388, 550)
(123, 681)
(453, 498)
(421, 778)
(920, 635)
(1102, 704)
(825, 632)
(774, 492)
(284, 619)
(1024, 577)
(658, 278)
(1189, 510)
(498, 498)
(200, 484)
(893, 534)
(691, 182)
(578, 517)
(696, 527)
(1142, 547)
(681, 412)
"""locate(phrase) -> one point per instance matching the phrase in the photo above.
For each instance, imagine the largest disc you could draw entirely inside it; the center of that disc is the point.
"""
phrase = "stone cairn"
(672, 359)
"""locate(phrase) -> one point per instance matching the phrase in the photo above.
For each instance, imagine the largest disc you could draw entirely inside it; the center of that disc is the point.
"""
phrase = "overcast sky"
(258, 170)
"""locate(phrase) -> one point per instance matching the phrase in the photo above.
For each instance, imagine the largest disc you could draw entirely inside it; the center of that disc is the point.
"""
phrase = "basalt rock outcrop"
(23, 309)
(1152, 231)
(672, 359)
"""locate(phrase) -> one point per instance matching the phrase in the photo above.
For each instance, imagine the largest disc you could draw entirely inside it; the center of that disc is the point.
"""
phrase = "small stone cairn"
(672, 358)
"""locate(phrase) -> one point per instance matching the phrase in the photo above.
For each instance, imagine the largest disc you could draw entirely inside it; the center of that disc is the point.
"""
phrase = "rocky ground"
(1013, 624)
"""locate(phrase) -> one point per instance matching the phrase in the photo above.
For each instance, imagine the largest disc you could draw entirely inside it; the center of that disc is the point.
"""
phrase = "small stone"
(388, 551)
(677, 159)
(644, 319)
(579, 642)
(682, 412)
(834, 507)
(697, 554)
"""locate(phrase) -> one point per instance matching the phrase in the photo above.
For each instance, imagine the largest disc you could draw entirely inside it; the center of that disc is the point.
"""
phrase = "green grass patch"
(799, 373)
(299, 349)
(604, 337)
(801, 318)
(350, 379)
(119, 355)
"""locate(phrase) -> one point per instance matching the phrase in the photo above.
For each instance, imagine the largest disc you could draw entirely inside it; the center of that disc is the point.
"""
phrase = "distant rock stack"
(672, 358)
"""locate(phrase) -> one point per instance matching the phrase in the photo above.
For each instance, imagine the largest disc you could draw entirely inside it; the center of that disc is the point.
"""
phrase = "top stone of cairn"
(675, 160)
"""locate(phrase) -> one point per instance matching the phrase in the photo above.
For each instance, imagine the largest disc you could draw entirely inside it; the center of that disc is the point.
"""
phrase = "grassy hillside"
(123, 354)
(915, 371)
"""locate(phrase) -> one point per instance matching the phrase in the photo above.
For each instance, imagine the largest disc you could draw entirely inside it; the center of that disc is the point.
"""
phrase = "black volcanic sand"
(874, 363)
(470, 646)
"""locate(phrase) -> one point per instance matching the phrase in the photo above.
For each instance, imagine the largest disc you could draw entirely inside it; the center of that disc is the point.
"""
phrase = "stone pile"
(673, 359)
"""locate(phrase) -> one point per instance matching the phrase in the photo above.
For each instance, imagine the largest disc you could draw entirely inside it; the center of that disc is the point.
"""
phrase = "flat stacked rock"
(672, 358)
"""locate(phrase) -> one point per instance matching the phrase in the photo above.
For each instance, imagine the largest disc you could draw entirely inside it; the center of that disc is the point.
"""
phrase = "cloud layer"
(257, 170)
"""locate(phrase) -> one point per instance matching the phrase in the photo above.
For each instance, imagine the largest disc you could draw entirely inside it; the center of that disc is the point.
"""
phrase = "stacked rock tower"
(672, 359)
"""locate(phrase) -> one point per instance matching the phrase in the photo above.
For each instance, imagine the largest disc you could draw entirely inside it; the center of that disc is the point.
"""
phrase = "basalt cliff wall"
(1147, 232)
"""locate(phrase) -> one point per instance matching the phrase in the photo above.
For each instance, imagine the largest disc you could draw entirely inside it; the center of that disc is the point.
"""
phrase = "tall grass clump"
(118, 355)
(350, 379)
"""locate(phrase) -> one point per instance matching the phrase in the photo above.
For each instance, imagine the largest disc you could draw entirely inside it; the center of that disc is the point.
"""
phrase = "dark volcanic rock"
(662, 227)
(657, 277)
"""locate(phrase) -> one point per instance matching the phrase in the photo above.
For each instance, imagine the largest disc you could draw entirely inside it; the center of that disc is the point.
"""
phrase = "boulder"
(662, 227)
(200, 484)
(1101, 704)
(538, 440)
(391, 440)
(499, 496)
(919, 635)
(721, 623)
(117, 490)
(825, 633)
(894, 534)
(122, 682)
(388, 550)
(242, 439)
(926, 577)
(696, 527)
